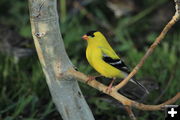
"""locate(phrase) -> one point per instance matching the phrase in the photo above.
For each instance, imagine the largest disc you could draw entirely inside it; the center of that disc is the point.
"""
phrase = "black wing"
(117, 63)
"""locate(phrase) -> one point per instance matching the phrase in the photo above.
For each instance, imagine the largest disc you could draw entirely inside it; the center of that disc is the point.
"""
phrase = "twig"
(177, 2)
(156, 107)
(174, 19)
(130, 112)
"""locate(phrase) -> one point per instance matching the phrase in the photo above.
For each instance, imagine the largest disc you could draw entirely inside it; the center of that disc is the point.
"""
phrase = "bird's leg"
(109, 89)
(90, 78)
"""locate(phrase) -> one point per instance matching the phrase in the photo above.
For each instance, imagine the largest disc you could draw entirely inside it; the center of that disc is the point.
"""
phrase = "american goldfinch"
(104, 60)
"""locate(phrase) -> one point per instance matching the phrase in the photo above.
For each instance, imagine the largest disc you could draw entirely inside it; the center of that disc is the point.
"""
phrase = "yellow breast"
(94, 57)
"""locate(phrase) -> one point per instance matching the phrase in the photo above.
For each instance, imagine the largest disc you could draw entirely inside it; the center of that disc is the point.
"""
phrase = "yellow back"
(100, 41)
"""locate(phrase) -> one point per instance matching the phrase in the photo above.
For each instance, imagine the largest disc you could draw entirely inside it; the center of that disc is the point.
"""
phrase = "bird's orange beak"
(85, 37)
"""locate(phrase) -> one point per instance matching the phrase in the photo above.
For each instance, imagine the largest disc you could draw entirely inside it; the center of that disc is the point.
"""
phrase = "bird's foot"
(91, 78)
(109, 88)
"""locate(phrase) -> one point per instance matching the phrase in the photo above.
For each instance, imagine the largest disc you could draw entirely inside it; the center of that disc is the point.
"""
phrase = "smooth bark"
(55, 62)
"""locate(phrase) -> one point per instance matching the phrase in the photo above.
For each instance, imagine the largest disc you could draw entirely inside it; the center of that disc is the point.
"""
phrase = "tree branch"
(156, 107)
(124, 100)
(130, 113)
(54, 61)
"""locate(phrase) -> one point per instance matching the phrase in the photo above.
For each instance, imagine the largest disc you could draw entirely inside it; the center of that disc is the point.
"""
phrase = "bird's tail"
(134, 90)
(140, 85)
(133, 80)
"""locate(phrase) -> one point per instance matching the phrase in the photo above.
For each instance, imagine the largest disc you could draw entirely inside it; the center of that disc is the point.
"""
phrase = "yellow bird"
(104, 60)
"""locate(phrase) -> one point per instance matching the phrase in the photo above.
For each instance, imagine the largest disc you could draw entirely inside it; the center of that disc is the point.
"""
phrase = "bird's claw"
(90, 78)
(109, 89)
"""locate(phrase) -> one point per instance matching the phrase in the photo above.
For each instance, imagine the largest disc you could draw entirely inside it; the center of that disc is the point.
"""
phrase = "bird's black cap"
(91, 33)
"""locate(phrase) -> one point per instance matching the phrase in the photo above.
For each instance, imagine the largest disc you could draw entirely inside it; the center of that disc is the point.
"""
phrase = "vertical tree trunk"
(55, 62)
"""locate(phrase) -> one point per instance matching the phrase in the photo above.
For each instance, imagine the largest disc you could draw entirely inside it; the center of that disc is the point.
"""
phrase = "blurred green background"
(130, 26)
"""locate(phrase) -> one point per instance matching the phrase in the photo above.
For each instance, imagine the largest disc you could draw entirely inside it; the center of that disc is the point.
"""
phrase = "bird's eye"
(91, 33)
